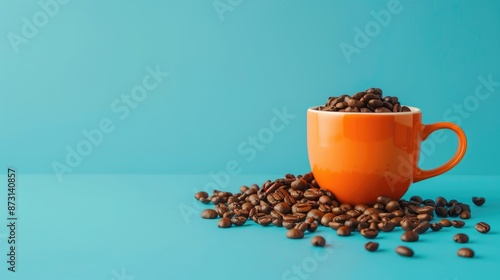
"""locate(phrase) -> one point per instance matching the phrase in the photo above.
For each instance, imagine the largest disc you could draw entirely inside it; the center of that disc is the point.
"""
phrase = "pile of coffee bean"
(298, 204)
(368, 101)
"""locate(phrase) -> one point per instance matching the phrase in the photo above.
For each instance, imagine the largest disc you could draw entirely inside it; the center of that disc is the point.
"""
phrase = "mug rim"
(414, 110)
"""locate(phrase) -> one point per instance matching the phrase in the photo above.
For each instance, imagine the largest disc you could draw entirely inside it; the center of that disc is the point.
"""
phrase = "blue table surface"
(149, 227)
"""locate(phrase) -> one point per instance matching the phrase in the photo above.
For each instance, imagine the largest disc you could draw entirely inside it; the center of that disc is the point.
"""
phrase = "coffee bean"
(341, 218)
(457, 223)
(247, 206)
(313, 194)
(408, 225)
(353, 213)
(404, 251)
(209, 214)
(299, 184)
(441, 212)
(386, 226)
(335, 225)
(216, 200)
(424, 217)
(396, 221)
(359, 95)
(383, 200)
(238, 220)
(392, 206)
(283, 208)
(201, 195)
(445, 223)
(465, 215)
(278, 222)
(371, 246)
(343, 231)
(405, 109)
(464, 207)
(382, 110)
(422, 227)
(441, 201)
(302, 226)
(461, 238)
(301, 208)
(325, 200)
(428, 209)
(295, 233)
(368, 233)
(363, 102)
(465, 253)
(318, 241)
(265, 220)
(224, 223)
(478, 201)
(451, 202)
(436, 226)
(288, 225)
(398, 213)
(326, 219)
(351, 223)
(417, 199)
(454, 210)
(362, 225)
(409, 236)
(312, 227)
(483, 227)
(371, 210)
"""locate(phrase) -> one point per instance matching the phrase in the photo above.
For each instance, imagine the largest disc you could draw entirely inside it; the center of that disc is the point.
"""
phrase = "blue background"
(228, 72)
(228, 75)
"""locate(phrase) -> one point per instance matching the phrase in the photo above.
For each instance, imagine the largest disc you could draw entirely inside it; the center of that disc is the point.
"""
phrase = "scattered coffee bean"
(288, 225)
(295, 233)
(369, 233)
(436, 226)
(299, 204)
(264, 220)
(326, 219)
(404, 251)
(479, 201)
(451, 202)
(465, 215)
(441, 211)
(343, 231)
(312, 227)
(386, 226)
(445, 223)
(457, 223)
(371, 246)
(224, 223)
(441, 201)
(318, 241)
(454, 210)
(461, 238)
(209, 214)
(482, 227)
(201, 195)
(302, 226)
(409, 236)
(465, 253)
(422, 227)
(238, 220)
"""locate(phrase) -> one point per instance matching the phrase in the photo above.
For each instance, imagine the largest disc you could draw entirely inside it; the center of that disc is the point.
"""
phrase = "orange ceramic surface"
(360, 156)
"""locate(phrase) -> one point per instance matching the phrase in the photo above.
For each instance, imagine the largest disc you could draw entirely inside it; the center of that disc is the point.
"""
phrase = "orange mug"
(360, 156)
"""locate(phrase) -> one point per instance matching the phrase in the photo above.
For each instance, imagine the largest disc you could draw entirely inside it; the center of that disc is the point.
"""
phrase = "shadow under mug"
(360, 156)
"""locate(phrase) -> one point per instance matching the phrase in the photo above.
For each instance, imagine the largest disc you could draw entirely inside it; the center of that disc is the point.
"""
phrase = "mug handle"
(459, 154)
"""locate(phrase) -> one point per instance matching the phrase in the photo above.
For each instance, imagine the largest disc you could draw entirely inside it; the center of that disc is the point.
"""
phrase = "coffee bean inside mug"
(378, 133)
